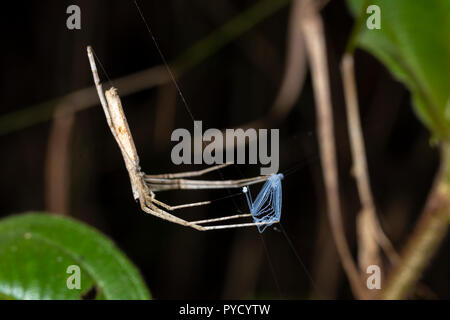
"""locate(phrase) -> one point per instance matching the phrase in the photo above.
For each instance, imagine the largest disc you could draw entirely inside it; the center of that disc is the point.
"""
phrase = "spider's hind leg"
(149, 208)
(181, 206)
(186, 174)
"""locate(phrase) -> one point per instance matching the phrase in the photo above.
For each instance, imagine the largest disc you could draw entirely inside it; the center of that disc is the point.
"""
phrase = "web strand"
(163, 58)
(111, 83)
(300, 260)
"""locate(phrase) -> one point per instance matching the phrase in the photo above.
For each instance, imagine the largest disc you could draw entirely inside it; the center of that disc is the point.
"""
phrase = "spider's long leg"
(222, 218)
(239, 225)
(148, 208)
(98, 86)
(151, 209)
(196, 224)
(188, 173)
(106, 110)
(181, 206)
(160, 184)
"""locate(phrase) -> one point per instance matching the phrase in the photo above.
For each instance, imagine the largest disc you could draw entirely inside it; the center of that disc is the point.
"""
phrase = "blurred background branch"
(201, 50)
(427, 236)
(316, 48)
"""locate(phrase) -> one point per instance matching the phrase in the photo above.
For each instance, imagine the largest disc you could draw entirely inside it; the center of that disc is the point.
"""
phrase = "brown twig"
(370, 233)
(57, 166)
(427, 236)
(313, 33)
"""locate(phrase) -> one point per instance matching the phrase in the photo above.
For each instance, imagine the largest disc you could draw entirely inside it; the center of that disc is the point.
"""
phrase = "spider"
(144, 186)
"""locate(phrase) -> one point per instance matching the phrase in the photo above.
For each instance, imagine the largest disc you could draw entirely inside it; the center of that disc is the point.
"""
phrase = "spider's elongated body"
(266, 209)
(144, 186)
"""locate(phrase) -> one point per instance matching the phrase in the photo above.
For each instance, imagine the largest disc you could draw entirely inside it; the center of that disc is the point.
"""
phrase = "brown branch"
(57, 166)
(427, 236)
(370, 233)
(313, 33)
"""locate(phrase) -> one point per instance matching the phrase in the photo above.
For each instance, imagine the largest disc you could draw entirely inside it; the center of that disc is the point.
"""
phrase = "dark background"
(43, 60)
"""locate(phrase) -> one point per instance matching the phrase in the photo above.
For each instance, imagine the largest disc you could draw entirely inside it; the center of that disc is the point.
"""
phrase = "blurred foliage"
(36, 250)
(192, 56)
(413, 43)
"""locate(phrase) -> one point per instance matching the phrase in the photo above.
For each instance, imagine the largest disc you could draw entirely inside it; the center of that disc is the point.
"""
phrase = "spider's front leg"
(147, 202)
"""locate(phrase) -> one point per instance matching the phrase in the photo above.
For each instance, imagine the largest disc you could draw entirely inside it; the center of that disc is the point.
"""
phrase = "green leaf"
(36, 249)
(414, 43)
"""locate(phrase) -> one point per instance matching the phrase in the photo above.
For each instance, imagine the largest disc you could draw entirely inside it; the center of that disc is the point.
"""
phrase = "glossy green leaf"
(414, 43)
(36, 250)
